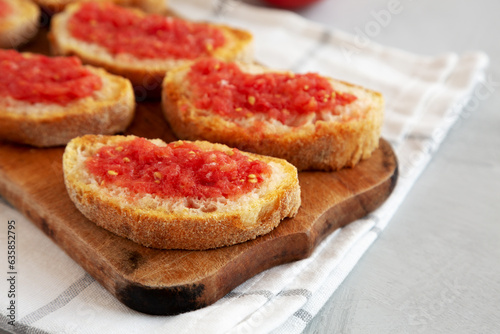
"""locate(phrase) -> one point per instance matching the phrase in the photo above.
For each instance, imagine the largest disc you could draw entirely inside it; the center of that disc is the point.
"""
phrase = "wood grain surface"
(174, 281)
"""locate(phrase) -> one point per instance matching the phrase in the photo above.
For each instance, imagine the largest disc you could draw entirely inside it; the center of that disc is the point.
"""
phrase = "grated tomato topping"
(40, 79)
(5, 8)
(121, 30)
(180, 169)
(228, 91)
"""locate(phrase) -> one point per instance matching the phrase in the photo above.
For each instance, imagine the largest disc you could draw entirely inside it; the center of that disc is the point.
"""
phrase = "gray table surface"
(436, 267)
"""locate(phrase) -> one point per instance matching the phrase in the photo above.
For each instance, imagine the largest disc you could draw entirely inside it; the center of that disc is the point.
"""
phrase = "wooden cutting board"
(174, 281)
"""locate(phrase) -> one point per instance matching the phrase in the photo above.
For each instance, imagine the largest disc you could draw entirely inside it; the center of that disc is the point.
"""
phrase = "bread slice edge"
(329, 144)
(146, 75)
(107, 111)
(234, 222)
(21, 25)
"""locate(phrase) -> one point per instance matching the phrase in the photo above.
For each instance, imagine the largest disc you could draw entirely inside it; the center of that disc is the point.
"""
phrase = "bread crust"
(146, 75)
(57, 125)
(150, 6)
(20, 26)
(188, 229)
(322, 145)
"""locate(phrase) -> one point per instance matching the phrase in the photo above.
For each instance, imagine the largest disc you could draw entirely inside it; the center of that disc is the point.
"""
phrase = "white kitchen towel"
(424, 97)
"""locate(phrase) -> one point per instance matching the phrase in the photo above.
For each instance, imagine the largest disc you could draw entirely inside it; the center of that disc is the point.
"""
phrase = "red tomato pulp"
(121, 30)
(225, 89)
(5, 8)
(180, 169)
(40, 79)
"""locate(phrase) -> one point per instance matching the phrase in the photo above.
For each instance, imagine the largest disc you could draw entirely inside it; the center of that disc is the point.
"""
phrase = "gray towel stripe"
(268, 294)
(218, 9)
(309, 54)
(296, 292)
(394, 143)
(64, 298)
(303, 315)
(417, 136)
(221, 7)
(4, 201)
(377, 230)
(428, 142)
(18, 327)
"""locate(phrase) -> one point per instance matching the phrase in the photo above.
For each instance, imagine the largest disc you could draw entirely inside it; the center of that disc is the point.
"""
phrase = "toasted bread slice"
(19, 24)
(146, 74)
(107, 111)
(150, 6)
(326, 140)
(179, 222)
